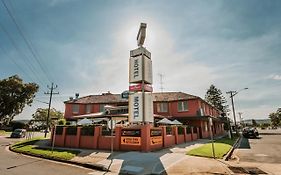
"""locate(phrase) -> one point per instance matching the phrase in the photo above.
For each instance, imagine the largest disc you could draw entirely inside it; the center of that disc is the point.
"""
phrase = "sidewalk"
(166, 161)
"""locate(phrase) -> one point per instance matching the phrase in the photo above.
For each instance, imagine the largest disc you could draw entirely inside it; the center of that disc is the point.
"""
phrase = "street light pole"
(232, 94)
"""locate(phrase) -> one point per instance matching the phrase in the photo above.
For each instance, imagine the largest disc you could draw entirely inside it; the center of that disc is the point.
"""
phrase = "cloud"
(274, 77)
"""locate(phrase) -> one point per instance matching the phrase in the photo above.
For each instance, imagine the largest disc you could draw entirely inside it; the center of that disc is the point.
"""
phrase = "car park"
(250, 132)
(18, 133)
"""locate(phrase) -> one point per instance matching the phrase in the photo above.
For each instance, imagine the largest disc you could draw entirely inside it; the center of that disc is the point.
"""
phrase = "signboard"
(156, 140)
(135, 69)
(131, 140)
(147, 70)
(138, 87)
(140, 68)
(148, 116)
(135, 107)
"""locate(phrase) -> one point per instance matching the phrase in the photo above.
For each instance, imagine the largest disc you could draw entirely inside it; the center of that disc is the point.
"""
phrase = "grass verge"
(28, 147)
(221, 147)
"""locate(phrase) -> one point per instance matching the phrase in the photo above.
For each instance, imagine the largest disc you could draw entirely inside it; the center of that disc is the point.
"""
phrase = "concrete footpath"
(167, 161)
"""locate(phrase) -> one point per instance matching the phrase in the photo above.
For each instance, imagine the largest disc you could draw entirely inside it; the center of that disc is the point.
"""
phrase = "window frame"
(88, 108)
(161, 107)
(181, 106)
(75, 108)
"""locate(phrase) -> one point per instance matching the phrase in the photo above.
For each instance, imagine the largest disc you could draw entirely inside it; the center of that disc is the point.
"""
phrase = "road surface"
(265, 149)
(17, 164)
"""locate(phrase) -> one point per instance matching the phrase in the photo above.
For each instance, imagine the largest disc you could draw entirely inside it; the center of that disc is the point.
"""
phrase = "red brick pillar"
(78, 136)
(175, 131)
(145, 137)
(96, 136)
(191, 129)
(164, 133)
(63, 136)
(118, 131)
(185, 134)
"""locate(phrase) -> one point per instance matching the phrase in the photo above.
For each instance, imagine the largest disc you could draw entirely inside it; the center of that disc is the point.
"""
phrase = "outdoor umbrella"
(176, 122)
(165, 121)
(84, 122)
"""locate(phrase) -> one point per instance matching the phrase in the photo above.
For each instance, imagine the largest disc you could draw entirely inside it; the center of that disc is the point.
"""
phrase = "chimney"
(76, 95)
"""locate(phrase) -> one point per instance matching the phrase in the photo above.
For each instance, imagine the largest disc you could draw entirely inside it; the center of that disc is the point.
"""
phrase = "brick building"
(189, 109)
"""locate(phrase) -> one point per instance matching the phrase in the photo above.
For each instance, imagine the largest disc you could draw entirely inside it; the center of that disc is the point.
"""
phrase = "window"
(102, 107)
(182, 106)
(88, 109)
(75, 108)
(162, 107)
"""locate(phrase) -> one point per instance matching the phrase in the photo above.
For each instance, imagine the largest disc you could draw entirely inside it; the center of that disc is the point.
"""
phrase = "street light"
(232, 94)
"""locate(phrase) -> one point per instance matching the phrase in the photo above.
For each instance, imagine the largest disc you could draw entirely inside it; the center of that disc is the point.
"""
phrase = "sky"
(83, 47)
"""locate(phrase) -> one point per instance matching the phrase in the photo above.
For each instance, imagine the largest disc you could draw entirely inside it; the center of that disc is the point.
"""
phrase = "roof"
(172, 96)
(116, 98)
(103, 98)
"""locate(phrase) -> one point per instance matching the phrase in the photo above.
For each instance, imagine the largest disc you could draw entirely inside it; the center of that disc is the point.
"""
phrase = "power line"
(27, 42)
(31, 68)
(19, 67)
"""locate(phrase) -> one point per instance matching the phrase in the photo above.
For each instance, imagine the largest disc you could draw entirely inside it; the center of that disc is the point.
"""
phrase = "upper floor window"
(182, 106)
(162, 107)
(102, 107)
(88, 109)
(75, 108)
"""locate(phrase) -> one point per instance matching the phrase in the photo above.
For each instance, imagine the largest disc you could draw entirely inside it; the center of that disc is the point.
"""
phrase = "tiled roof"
(172, 96)
(116, 98)
(104, 98)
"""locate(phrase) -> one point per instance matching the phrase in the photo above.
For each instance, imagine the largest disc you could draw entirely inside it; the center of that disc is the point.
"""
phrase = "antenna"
(161, 81)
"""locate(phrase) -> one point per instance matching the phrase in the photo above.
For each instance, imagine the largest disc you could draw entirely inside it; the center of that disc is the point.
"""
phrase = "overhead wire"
(26, 40)
(18, 66)
(30, 66)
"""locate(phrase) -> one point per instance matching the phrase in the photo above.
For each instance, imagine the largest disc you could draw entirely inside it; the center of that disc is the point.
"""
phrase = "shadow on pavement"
(244, 144)
(141, 163)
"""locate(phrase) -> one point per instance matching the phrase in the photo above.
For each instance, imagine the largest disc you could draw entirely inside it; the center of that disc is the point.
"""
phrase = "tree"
(275, 118)
(14, 96)
(214, 96)
(41, 115)
(254, 123)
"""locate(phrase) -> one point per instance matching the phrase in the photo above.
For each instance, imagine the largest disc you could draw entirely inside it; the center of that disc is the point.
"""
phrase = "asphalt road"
(265, 149)
(17, 164)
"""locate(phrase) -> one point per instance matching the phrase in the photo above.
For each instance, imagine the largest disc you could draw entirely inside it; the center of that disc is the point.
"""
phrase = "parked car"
(250, 132)
(18, 133)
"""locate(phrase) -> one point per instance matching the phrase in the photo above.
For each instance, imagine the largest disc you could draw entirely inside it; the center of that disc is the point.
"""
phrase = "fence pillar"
(145, 137)
(78, 136)
(185, 134)
(96, 136)
(118, 131)
(175, 131)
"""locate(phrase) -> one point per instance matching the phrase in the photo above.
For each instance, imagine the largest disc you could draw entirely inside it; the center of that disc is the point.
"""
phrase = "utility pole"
(50, 102)
(232, 94)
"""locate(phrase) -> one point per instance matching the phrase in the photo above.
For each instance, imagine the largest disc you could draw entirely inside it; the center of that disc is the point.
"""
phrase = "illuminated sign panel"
(135, 70)
(136, 67)
(135, 107)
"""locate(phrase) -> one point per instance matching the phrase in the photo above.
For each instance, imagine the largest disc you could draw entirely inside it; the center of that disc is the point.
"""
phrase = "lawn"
(29, 148)
(221, 147)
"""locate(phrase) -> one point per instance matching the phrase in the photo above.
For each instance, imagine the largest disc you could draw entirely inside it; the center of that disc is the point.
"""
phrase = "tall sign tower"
(140, 80)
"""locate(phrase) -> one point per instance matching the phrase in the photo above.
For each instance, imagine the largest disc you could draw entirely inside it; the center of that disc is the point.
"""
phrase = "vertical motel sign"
(140, 79)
